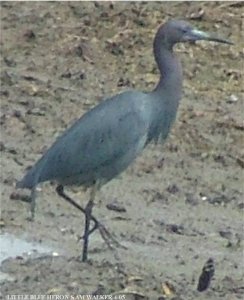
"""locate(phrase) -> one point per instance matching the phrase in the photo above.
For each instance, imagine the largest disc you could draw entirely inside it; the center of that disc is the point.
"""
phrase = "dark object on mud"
(107, 139)
(115, 206)
(206, 275)
(29, 34)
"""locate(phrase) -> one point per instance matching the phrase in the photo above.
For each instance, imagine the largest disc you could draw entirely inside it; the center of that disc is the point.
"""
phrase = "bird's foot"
(107, 236)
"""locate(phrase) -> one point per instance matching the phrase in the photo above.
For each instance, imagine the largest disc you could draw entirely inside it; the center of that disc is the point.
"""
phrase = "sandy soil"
(182, 200)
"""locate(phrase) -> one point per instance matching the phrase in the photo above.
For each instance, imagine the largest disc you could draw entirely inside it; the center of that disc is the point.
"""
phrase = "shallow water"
(12, 247)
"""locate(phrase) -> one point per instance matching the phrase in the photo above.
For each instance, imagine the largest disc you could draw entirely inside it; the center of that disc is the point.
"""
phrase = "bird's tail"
(29, 181)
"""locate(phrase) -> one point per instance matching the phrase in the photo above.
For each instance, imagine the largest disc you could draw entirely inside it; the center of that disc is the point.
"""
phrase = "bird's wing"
(112, 134)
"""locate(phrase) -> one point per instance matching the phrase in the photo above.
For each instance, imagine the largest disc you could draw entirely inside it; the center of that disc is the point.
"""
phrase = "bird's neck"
(170, 82)
(167, 94)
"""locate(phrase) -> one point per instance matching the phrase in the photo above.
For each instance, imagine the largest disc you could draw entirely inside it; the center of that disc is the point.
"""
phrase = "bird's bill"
(197, 35)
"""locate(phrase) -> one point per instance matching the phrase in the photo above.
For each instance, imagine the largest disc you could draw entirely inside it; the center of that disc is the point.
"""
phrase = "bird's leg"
(88, 215)
(105, 234)
(32, 204)
(88, 211)
(61, 193)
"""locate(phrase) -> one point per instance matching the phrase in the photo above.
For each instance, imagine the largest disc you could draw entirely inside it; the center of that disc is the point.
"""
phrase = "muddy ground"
(182, 200)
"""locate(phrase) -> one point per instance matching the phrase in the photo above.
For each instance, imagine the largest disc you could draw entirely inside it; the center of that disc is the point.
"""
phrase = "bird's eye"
(185, 30)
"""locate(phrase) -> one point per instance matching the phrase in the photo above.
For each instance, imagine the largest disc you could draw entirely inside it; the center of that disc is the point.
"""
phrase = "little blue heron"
(107, 139)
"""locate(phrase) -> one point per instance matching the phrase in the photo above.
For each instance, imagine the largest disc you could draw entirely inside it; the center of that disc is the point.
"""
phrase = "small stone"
(233, 99)
(36, 112)
(173, 189)
(29, 34)
(116, 207)
(191, 199)
(17, 196)
(174, 228)
(225, 234)
(17, 114)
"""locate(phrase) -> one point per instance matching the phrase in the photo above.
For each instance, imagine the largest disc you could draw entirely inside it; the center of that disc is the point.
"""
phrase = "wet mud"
(178, 205)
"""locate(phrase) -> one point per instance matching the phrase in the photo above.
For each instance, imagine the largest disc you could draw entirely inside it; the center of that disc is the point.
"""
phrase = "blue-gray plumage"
(99, 145)
(106, 140)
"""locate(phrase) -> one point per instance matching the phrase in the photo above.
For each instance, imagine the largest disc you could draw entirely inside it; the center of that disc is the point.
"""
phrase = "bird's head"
(175, 31)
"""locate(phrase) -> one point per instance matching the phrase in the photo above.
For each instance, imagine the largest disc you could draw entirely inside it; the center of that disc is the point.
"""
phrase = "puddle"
(12, 247)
